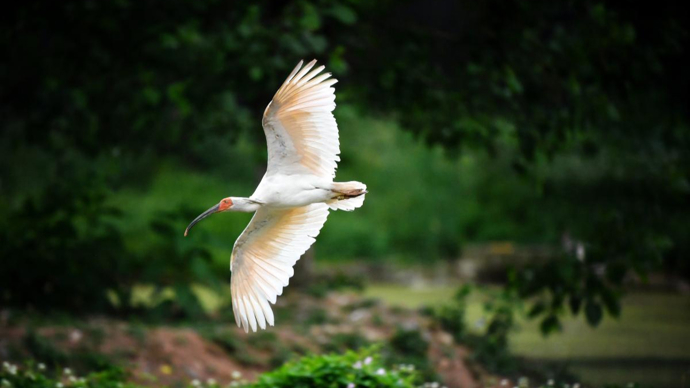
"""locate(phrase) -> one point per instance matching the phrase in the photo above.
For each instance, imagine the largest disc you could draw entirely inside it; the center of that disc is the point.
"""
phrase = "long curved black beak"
(203, 215)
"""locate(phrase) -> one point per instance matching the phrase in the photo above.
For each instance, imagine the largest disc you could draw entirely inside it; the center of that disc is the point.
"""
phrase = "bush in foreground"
(351, 369)
(36, 376)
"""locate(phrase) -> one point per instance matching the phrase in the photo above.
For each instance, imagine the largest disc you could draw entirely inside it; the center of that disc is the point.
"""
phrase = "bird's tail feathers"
(348, 195)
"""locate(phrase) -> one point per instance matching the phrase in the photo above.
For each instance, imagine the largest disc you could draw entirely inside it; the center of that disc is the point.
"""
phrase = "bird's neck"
(242, 204)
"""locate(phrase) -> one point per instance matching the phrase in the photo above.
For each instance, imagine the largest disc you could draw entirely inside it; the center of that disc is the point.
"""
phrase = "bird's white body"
(293, 199)
(280, 190)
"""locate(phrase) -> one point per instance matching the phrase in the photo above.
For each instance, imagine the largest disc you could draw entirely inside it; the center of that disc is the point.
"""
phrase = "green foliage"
(226, 339)
(86, 114)
(409, 347)
(333, 282)
(36, 376)
(451, 316)
(341, 342)
(264, 340)
(592, 96)
(42, 349)
(179, 78)
(171, 262)
(363, 369)
(567, 285)
(570, 118)
(62, 251)
(489, 346)
(446, 201)
(81, 358)
(316, 316)
(409, 342)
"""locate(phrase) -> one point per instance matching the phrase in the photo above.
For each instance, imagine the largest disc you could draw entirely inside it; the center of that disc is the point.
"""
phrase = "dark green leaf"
(550, 324)
(537, 309)
(593, 312)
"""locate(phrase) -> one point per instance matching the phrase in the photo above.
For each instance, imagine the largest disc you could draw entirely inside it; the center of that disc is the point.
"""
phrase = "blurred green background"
(541, 147)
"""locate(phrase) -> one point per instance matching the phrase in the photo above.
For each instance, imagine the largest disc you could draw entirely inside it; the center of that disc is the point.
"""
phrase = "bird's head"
(225, 204)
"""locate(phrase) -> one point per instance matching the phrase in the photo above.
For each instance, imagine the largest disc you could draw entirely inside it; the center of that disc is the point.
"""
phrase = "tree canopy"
(586, 101)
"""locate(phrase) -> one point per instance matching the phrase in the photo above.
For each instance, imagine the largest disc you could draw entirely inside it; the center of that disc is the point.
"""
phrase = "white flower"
(6, 383)
(41, 366)
(67, 371)
(72, 379)
(196, 382)
(368, 360)
(504, 382)
(59, 385)
(236, 374)
(381, 372)
(434, 385)
(10, 368)
(576, 385)
(357, 365)
(351, 385)
(550, 382)
(211, 381)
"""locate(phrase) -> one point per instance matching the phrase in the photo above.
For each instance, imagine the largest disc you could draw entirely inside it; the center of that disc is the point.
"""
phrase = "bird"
(294, 197)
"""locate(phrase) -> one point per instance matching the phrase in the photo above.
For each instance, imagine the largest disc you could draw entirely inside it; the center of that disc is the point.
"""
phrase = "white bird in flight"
(293, 198)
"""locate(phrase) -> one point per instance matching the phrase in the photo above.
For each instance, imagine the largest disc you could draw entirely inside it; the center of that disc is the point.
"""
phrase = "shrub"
(409, 347)
(62, 251)
(451, 317)
(351, 369)
(81, 358)
(36, 376)
(491, 347)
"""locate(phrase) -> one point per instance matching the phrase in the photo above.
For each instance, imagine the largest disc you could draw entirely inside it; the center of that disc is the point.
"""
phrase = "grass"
(649, 343)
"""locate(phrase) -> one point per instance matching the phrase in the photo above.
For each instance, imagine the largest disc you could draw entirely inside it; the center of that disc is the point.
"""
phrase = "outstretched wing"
(263, 256)
(301, 132)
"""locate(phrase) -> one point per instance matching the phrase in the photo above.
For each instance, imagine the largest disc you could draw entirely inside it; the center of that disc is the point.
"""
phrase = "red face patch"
(225, 204)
